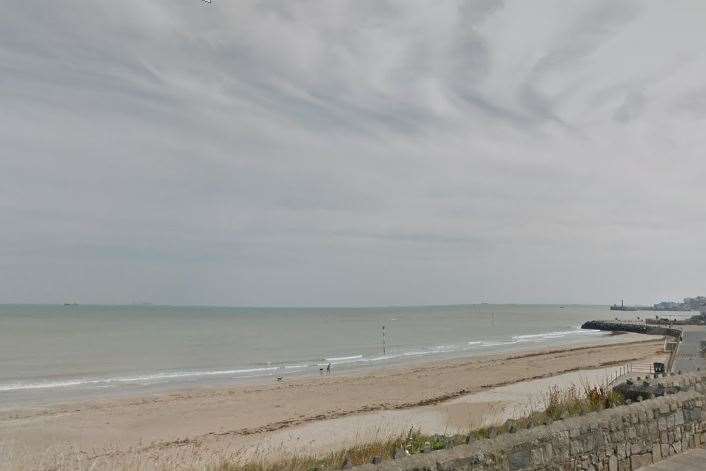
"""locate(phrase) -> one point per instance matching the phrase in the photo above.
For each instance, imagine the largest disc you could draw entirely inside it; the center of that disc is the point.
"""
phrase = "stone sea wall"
(611, 326)
(620, 439)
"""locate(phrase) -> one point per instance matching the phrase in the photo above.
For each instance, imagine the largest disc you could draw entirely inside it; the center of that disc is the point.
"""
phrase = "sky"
(352, 152)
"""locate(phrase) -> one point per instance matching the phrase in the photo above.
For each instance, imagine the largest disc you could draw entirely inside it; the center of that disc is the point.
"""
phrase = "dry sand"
(311, 415)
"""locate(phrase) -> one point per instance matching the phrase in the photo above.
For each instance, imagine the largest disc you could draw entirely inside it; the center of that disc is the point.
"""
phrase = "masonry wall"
(620, 439)
(636, 328)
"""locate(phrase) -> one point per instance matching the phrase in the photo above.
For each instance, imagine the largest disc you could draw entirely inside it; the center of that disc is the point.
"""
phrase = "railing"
(628, 370)
(642, 368)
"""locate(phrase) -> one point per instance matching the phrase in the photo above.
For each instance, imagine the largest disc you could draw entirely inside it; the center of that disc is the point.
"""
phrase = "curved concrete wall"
(636, 328)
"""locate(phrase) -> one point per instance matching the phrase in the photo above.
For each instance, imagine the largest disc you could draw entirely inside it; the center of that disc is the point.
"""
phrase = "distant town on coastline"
(697, 303)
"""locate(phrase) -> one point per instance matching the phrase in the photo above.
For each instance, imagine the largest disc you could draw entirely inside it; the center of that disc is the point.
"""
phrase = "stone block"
(642, 415)
(656, 453)
(686, 413)
(548, 451)
(632, 433)
(519, 459)
(600, 439)
(666, 450)
(612, 463)
(641, 429)
(638, 461)
(536, 457)
(576, 447)
(676, 446)
(562, 453)
(585, 462)
(620, 450)
(696, 413)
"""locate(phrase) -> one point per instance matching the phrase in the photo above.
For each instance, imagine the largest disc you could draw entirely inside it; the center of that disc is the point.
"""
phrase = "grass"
(558, 404)
(410, 443)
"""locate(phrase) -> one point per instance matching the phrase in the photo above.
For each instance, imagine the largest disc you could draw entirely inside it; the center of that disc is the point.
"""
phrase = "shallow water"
(50, 353)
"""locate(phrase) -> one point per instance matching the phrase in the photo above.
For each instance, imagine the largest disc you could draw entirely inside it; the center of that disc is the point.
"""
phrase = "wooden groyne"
(612, 326)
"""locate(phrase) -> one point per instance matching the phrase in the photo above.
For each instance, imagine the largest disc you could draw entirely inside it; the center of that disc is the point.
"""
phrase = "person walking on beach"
(328, 369)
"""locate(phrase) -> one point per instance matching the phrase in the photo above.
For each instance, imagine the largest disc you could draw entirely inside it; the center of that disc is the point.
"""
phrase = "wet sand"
(308, 415)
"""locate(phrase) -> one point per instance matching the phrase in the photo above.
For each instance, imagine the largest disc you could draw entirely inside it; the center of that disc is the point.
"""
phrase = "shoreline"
(32, 397)
(211, 421)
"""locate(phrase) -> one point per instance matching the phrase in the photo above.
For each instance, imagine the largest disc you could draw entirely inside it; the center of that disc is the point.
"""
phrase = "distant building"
(696, 303)
(668, 306)
(690, 304)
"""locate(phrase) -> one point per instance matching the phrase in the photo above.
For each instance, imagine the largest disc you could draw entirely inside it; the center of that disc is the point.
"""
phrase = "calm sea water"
(55, 353)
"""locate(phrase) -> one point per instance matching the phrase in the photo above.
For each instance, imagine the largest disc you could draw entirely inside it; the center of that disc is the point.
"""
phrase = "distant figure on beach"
(328, 369)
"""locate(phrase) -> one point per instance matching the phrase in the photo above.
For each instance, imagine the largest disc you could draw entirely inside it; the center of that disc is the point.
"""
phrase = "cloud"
(354, 152)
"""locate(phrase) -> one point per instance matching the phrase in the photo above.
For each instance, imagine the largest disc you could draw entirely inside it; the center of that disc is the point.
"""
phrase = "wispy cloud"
(352, 152)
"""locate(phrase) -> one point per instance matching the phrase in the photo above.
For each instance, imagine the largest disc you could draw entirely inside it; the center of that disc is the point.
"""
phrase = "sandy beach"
(307, 415)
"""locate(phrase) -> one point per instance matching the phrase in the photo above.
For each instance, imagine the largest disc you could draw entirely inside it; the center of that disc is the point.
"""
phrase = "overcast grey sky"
(356, 152)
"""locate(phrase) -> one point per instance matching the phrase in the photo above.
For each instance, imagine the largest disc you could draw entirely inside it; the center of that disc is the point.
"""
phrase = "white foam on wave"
(390, 356)
(551, 335)
(269, 370)
(131, 379)
(346, 358)
(496, 344)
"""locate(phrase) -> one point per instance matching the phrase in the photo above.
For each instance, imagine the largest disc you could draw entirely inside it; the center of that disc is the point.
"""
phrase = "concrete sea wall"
(620, 439)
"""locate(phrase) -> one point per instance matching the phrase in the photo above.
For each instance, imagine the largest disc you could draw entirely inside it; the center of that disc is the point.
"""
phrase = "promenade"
(689, 357)
(694, 460)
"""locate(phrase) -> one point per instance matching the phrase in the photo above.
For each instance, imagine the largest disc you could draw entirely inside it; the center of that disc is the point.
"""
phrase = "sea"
(51, 354)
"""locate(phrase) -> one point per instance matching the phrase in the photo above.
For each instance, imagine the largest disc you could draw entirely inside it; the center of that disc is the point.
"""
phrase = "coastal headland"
(208, 426)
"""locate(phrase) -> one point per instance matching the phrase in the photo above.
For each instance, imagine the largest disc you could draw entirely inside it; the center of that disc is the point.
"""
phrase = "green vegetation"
(558, 404)
(359, 454)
